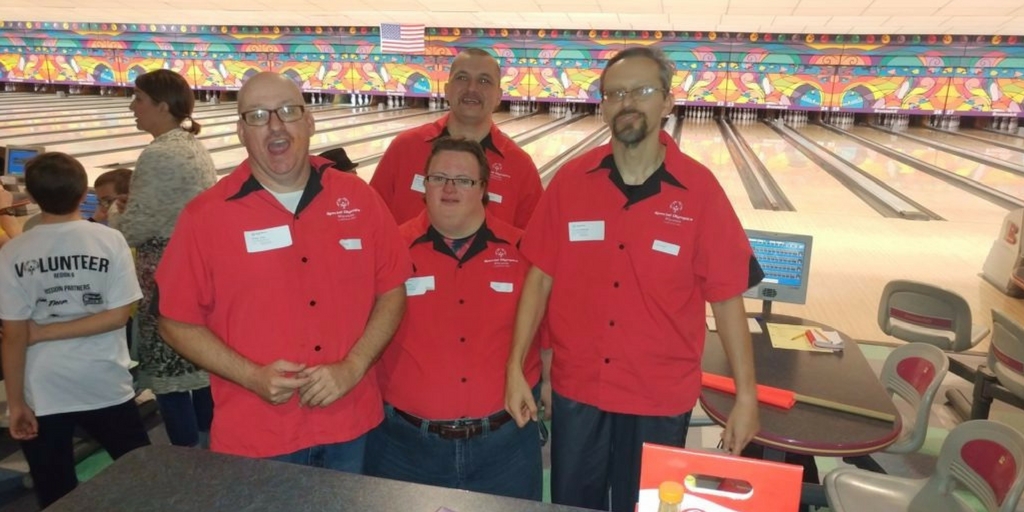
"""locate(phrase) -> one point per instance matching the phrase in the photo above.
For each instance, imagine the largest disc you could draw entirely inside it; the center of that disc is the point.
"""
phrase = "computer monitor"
(785, 259)
(15, 158)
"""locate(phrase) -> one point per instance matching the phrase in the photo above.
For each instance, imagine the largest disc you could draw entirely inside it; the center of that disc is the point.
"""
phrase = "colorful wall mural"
(923, 73)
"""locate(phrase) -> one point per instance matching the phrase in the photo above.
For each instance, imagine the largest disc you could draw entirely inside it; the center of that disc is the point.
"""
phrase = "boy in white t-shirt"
(68, 288)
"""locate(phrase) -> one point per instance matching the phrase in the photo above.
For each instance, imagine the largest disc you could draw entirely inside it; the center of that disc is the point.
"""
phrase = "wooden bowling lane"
(553, 144)
(809, 187)
(993, 151)
(228, 153)
(1005, 138)
(995, 178)
(213, 135)
(84, 114)
(950, 202)
(363, 150)
(702, 140)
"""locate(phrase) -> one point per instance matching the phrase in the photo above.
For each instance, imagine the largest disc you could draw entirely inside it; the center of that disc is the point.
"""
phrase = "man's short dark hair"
(666, 68)
(120, 178)
(56, 182)
(464, 146)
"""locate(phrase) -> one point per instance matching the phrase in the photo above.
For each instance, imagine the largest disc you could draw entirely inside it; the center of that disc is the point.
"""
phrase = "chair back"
(982, 457)
(923, 313)
(1006, 352)
(913, 372)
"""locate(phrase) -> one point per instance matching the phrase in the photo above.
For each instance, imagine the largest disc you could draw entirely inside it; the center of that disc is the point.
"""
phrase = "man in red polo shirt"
(629, 242)
(443, 376)
(285, 281)
(474, 91)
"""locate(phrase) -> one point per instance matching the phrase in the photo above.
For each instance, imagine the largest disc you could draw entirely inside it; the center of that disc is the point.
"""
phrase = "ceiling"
(982, 17)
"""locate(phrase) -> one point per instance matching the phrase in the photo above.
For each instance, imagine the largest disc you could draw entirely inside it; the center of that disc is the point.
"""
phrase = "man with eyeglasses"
(474, 91)
(629, 242)
(443, 376)
(285, 281)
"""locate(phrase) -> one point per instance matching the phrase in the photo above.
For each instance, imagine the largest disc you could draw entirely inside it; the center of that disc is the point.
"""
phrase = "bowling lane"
(1007, 155)
(950, 202)
(86, 114)
(553, 144)
(109, 106)
(97, 164)
(220, 135)
(702, 140)
(999, 137)
(809, 187)
(365, 149)
(995, 178)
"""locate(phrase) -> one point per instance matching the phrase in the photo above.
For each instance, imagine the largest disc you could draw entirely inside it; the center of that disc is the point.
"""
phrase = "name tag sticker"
(419, 285)
(495, 198)
(501, 287)
(586, 231)
(666, 247)
(418, 183)
(268, 239)
(351, 244)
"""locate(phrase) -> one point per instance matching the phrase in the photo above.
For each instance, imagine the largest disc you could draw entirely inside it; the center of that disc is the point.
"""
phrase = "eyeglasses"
(638, 94)
(261, 116)
(438, 180)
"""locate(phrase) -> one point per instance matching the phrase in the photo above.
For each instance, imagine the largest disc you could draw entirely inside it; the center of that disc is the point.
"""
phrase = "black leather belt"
(459, 429)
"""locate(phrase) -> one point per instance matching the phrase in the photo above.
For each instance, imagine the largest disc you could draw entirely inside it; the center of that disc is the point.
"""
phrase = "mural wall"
(950, 74)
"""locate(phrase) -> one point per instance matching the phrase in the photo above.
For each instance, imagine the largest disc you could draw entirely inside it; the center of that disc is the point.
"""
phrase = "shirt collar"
(487, 143)
(313, 186)
(649, 188)
(479, 243)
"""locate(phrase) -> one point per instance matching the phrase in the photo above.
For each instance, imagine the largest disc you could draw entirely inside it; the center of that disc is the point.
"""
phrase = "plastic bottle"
(670, 496)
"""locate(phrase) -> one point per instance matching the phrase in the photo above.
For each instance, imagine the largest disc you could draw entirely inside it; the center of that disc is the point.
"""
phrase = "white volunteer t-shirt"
(61, 272)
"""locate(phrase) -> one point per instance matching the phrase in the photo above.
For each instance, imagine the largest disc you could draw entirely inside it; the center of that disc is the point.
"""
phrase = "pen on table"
(806, 334)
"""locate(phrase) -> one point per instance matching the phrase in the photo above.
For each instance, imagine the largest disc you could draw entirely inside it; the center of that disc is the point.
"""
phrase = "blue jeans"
(187, 416)
(505, 462)
(347, 456)
(593, 451)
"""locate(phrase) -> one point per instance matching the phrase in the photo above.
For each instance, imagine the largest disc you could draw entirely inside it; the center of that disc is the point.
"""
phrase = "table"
(844, 377)
(171, 478)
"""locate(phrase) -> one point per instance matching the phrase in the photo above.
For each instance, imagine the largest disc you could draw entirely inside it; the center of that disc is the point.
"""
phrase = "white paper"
(501, 287)
(268, 239)
(418, 285)
(586, 231)
(418, 183)
(351, 244)
(666, 247)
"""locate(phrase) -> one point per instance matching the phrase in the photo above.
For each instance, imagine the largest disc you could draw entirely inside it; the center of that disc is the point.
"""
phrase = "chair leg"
(864, 462)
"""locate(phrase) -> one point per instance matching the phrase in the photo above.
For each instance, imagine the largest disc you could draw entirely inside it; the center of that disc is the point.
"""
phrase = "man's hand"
(741, 427)
(276, 382)
(6, 199)
(23, 422)
(329, 382)
(519, 400)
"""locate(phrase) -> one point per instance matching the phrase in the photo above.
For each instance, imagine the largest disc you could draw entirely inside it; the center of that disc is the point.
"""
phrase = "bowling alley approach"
(595, 255)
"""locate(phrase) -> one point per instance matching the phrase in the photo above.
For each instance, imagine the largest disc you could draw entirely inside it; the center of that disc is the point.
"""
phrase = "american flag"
(401, 38)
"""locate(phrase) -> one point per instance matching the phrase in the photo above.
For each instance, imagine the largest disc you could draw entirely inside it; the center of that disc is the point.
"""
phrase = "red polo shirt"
(275, 285)
(631, 275)
(514, 188)
(447, 359)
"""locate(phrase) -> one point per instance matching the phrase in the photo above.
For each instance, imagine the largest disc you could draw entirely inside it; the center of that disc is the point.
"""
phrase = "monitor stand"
(766, 309)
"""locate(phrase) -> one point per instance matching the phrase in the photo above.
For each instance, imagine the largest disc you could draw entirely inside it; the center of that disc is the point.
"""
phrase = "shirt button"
(305, 259)
(622, 246)
(616, 284)
(463, 379)
(461, 301)
(312, 303)
(612, 323)
(317, 348)
(459, 265)
(463, 340)
(607, 361)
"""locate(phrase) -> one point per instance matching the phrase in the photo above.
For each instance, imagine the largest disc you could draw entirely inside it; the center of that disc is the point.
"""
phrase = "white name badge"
(419, 285)
(501, 287)
(666, 247)
(351, 244)
(268, 239)
(586, 231)
(418, 183)
(495, 198)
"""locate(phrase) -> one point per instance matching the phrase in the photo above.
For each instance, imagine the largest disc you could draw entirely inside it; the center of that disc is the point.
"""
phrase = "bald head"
(267, 84)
